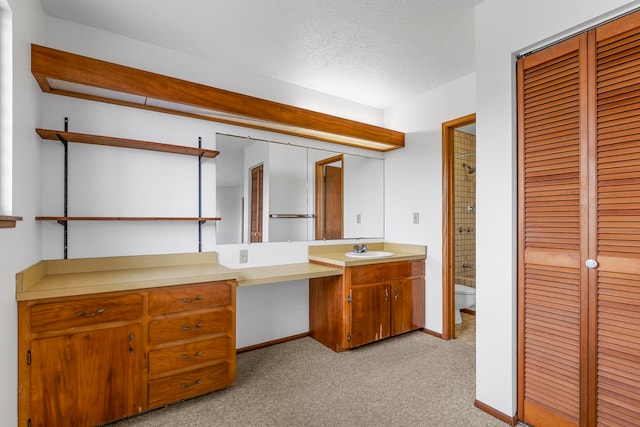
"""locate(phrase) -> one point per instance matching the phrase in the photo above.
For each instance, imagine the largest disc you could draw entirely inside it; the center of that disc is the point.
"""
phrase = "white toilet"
(465, 298)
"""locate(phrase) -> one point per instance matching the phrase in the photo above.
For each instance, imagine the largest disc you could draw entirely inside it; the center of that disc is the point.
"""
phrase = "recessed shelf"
(54, 135)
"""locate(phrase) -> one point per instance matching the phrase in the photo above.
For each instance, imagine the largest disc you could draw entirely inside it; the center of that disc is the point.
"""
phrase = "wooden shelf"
(54, 135)
(123, 218)
(83, 138)
(9, 221)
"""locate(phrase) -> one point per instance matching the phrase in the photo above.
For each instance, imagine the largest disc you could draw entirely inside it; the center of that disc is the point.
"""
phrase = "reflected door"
(333, 202)
(329, 198)
(257, 184)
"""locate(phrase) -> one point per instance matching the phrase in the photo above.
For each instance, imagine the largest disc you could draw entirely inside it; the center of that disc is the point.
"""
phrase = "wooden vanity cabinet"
(82, 359)
(367, 303)
(192, 341)
(75, 382)
(88, 360)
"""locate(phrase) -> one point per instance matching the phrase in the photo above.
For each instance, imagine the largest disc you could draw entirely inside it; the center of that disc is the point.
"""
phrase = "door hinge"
(349, 337)
(29, 359)
(349, 299)
(29, 422)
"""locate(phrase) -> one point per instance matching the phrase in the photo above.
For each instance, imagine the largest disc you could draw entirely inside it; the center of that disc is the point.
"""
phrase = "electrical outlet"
(358, 219)
(244, 256)
(416, 217)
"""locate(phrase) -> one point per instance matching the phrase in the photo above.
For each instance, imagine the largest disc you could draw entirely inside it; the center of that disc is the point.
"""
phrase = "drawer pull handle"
(185, 385)
(187, 356)
(189, 328)
(198, 298)
(83, 314)
(397, 293)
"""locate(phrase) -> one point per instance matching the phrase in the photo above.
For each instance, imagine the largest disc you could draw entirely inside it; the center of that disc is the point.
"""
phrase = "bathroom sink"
(369, 254)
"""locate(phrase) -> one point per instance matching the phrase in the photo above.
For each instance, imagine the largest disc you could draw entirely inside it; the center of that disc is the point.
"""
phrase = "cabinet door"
(54, 382)
(86, 378)
(405, 305)
(370, 313)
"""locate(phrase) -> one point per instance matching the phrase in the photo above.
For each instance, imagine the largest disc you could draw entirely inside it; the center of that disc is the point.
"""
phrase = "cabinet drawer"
(188, 355)
(190, 327)
(387, 271)
(189, 384)
(177, 299)
(84, 312)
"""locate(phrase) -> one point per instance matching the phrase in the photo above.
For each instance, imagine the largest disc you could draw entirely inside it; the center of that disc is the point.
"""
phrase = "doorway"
(329, 182)
(458, 222)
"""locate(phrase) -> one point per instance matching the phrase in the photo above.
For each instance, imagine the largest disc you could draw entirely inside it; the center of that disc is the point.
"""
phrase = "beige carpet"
(411, 380)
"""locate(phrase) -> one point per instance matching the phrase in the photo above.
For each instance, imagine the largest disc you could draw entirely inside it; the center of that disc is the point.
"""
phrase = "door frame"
(448, 225)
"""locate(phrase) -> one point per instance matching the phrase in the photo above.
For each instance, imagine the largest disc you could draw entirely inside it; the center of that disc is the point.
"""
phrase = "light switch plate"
(416, 217)
(244, 256)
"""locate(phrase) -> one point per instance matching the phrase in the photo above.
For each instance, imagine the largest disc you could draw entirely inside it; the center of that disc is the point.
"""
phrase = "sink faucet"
(360, 249)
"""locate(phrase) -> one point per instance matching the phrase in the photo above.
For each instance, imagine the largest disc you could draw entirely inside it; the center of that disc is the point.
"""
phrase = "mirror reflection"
(273, 192)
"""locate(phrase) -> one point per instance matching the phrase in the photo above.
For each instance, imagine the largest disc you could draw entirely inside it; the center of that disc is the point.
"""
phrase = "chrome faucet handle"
(359, 249)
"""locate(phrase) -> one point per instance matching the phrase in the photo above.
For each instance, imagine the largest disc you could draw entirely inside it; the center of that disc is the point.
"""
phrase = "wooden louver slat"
(550, 132)
(617, 296)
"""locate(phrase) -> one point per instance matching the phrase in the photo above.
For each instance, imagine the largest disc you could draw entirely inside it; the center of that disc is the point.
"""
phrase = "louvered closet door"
(579, 199)
(552, 234)
(615, 284)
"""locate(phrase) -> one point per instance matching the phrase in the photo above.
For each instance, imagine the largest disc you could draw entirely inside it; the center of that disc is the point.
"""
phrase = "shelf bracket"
(66, 184)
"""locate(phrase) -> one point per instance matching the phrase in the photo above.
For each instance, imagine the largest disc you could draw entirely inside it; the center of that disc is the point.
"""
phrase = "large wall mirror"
(273, 192)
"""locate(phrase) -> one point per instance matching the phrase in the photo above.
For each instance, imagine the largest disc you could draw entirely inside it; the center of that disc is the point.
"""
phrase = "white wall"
(504, 27)
(19, 247)
(229, 208)
(413, 178)
(363, 196)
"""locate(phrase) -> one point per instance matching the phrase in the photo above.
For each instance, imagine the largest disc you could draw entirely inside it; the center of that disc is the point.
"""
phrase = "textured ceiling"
(375, 52)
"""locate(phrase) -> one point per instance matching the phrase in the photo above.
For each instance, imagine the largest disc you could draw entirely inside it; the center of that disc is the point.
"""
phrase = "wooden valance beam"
(117, 84)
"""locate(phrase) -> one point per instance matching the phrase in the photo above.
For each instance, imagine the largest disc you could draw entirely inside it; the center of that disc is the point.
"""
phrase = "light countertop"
(336, 254)
(284, 273)
(60, 278)
(83, 276)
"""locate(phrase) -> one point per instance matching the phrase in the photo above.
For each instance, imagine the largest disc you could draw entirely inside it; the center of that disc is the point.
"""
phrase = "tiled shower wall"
(464, 165)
